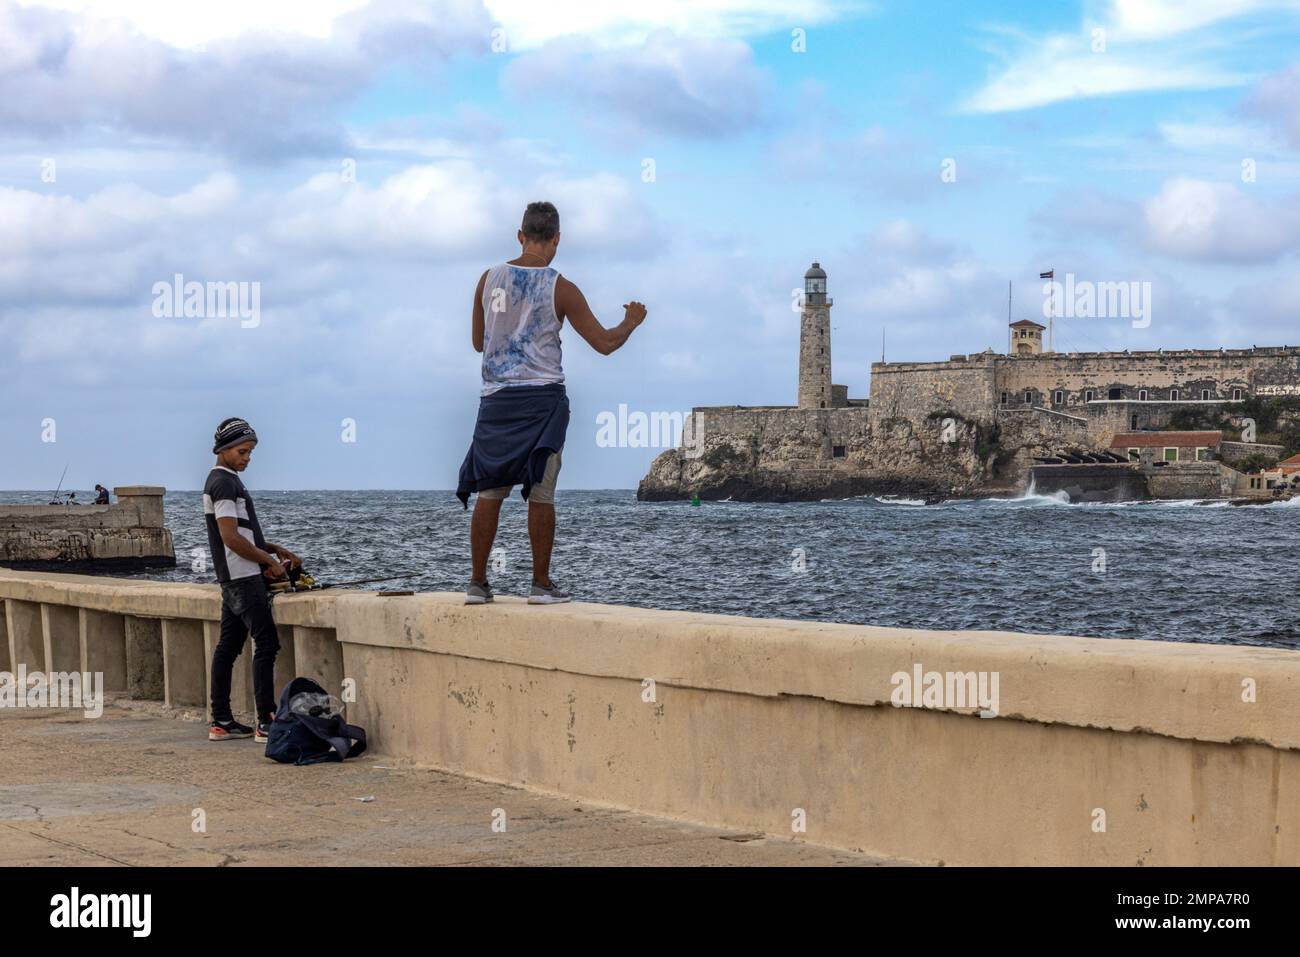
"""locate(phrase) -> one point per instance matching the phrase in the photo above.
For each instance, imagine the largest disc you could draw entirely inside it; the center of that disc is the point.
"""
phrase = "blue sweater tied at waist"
(517, 429)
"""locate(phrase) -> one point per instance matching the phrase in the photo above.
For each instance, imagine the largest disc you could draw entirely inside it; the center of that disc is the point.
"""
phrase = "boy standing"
(243, 561)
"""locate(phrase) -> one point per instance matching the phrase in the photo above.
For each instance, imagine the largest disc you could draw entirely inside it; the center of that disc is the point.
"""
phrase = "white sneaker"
(547, 596)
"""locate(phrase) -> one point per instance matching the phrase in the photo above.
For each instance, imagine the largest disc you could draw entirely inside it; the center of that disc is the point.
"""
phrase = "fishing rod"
(300, 580)
(360, 581)
(57, 490)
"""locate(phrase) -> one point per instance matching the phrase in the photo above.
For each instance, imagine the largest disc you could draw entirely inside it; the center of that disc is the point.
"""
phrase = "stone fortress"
(971, 424)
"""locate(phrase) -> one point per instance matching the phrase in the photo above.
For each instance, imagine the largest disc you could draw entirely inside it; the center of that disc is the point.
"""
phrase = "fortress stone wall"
(978, 385)
(783, 434)
(912, 390)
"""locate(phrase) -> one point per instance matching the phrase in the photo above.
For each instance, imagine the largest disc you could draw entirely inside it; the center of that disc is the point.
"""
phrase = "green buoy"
(695, 500)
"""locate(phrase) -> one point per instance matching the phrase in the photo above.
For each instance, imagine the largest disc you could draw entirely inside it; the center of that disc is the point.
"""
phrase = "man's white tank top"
(521, 331)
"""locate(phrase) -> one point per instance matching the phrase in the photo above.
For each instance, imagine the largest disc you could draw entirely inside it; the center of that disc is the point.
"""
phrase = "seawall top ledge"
(150, 599)
(1182, 690)
(1214, 693)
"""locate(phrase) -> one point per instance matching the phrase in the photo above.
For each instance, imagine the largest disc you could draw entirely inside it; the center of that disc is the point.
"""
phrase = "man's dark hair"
(541, 221)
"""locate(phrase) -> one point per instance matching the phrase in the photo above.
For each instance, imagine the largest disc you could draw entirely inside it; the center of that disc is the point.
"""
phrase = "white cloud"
(456, 209)
(1277, 101)
(107, 249)
(191, 24)
(1200, 137)
(1207, 221)
(259, 93)
(1162, 18)
(680, 84)
(1134, 46)
(530, 25)
(1064, 68)
(921, 288)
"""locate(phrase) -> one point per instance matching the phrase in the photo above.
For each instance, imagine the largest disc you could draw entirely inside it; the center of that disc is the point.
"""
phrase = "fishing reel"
(297, 580)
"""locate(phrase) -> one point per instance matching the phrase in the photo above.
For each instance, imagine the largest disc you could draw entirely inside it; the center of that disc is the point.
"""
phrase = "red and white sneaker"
(228, 730)
(264, 729)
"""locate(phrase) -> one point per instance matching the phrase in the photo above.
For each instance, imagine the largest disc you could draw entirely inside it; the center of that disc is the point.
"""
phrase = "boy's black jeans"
(245, 610)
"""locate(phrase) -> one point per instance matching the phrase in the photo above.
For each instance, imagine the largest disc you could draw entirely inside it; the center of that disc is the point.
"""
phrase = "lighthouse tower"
(815, 342)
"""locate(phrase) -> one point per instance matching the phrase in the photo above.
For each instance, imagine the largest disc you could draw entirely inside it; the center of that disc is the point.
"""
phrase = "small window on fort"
(1202, 454)
(1089, 396)
(1142, 395)
(1134, 455)
(1236, 395)
(837, 451)
(1058, 397)
(1205, 395)
(1173, 395)
(1171, 455)
(1005, 398)
(1029, 397)
(1117, 393)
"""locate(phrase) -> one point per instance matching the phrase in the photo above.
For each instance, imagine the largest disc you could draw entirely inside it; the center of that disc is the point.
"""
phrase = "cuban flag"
(1050, 274)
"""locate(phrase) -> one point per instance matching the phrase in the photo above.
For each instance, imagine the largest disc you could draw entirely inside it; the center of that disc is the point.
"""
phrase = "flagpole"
(1050, 275)
(1051, 318)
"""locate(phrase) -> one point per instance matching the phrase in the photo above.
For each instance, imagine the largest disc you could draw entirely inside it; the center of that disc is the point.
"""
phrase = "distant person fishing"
(523, 413)
(101, 497)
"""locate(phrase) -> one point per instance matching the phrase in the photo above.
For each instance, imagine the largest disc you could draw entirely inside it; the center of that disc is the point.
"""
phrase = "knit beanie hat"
(232, 432)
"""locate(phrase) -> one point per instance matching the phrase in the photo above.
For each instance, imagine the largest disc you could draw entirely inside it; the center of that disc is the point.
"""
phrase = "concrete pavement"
(142, 786)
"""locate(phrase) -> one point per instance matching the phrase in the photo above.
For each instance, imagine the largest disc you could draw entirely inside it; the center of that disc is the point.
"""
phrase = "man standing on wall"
(523, 412)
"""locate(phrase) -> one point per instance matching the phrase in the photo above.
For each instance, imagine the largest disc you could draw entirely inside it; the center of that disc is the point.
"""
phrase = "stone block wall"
(130, 533)
(912, 390)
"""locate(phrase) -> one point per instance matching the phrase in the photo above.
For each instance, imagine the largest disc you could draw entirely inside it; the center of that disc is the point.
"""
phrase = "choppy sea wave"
(1177, 571)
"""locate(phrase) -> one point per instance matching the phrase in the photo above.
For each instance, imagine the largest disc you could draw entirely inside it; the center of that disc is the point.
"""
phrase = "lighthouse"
(815, 342)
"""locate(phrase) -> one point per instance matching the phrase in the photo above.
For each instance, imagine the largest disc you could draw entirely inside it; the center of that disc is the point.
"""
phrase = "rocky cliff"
(776, 458)
(898, 458)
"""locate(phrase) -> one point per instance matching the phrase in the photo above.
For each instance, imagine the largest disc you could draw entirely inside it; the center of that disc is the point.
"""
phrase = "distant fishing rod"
(57, 490)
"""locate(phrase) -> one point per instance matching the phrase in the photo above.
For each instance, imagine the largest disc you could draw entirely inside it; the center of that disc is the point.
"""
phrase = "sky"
(357, 166)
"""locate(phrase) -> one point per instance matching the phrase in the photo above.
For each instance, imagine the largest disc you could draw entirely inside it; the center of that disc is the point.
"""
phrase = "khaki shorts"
(543, 493)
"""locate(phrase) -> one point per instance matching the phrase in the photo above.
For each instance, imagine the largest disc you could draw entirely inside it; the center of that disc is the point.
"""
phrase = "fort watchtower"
(1026, 338)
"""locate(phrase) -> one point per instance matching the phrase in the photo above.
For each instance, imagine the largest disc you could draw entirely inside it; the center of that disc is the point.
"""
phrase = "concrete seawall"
(129, 534)
(1101, 751)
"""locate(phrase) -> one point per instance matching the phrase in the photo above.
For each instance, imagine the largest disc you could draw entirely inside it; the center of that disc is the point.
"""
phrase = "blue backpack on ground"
(309, 727)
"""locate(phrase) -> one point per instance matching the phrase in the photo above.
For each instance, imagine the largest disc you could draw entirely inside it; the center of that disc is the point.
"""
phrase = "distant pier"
(127, 535)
